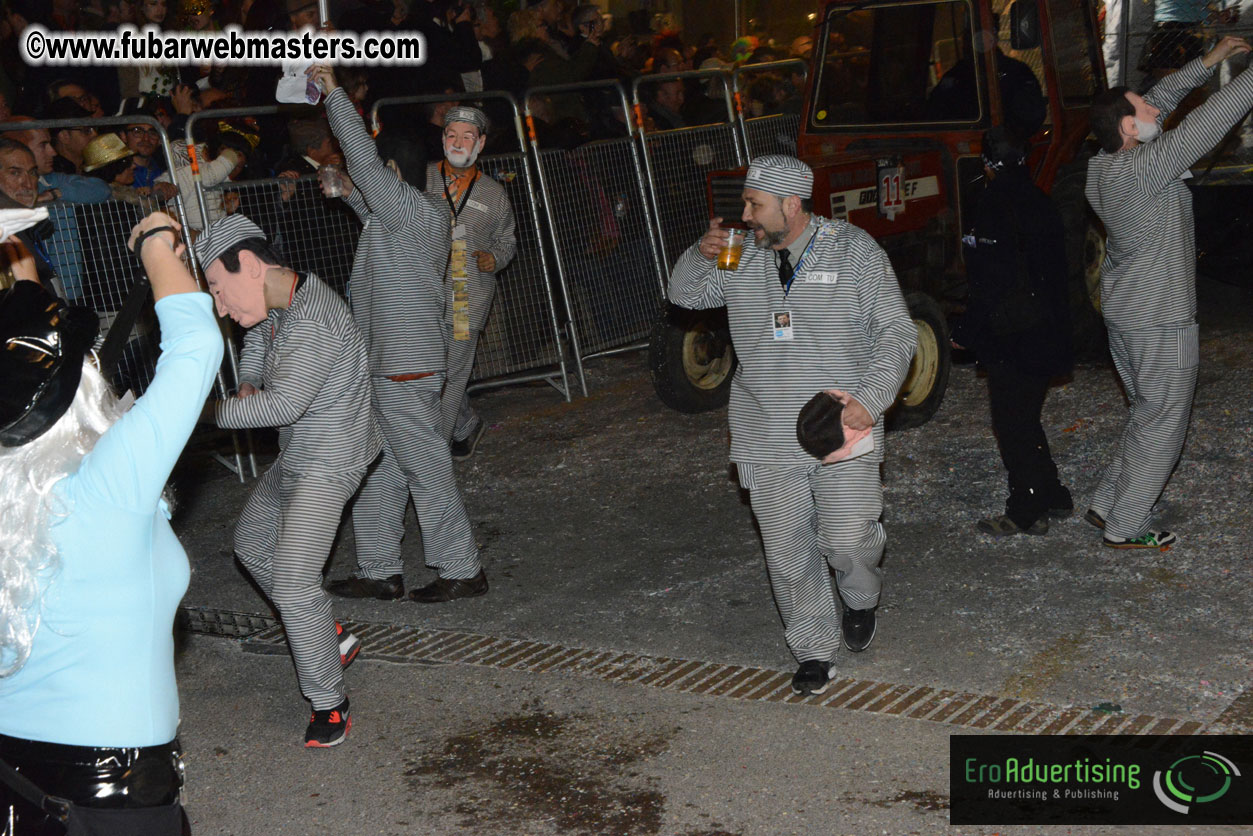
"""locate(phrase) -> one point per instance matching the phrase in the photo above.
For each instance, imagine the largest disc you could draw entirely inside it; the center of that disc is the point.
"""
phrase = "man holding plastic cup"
(813, 306)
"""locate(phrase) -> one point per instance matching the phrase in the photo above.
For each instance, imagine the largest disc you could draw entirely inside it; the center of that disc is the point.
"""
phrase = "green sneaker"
(1150, 540)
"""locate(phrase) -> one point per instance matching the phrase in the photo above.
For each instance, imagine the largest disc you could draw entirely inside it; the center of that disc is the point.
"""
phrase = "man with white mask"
(483, 242)
(1148, 278)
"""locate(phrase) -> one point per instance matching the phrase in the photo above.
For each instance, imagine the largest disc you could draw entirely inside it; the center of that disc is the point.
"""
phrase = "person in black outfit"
(1018, 324)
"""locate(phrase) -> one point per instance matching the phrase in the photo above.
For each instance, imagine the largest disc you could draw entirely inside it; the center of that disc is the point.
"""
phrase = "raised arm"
(1167, 158)
(131, 462)
(396, 204)
(694, 283)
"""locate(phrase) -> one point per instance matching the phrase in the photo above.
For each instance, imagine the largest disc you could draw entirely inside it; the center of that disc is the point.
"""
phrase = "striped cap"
(223, 234)
(472, 115)
(780, 175)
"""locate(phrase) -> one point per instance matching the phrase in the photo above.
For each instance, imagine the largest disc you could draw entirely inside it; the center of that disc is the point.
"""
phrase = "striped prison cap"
(472, 115)
(780, 175)
(223, 234)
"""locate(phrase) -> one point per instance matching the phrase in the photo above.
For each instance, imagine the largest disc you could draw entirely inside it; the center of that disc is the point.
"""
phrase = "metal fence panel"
(678, 164)
(96, 269)
(519, 335)
(772, 134)
(601, 232)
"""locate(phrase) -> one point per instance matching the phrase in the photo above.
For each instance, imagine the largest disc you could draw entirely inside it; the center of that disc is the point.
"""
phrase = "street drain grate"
(231, 625)
(420, 646)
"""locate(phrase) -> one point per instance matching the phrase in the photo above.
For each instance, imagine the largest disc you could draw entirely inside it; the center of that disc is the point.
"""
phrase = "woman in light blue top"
(90, 571)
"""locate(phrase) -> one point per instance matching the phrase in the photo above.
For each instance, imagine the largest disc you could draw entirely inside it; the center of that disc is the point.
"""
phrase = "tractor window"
(1013, 82)
(899, 65)
(1079, 68)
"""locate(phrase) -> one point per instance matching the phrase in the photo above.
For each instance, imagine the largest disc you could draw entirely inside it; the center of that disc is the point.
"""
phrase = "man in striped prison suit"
(813, 306)
(303, 369)
(482, 221)
(1148, 279)
(398, 298)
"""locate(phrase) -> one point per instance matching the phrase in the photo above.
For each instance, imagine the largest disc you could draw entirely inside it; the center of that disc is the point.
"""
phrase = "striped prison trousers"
(282, 538)
(415, 463)
(458, 417)
(811, 516)
(1158, 367)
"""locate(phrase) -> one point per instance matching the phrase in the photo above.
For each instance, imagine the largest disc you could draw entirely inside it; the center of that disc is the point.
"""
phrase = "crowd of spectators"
(105, 178)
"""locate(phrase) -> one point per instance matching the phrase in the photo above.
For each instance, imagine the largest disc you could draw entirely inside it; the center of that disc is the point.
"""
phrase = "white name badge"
(474, 204)
(822, 277)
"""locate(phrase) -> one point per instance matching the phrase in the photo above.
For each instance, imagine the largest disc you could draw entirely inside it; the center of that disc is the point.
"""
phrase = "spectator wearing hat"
(304, 370)
(814, 306)
(398, 300)
(483, 244)
(69, 142)
(1017, 322)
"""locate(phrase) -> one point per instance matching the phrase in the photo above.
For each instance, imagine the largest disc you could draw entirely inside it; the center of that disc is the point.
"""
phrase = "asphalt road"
(626, 674)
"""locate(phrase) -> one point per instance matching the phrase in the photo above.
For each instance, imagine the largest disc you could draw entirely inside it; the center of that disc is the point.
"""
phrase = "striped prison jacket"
(397, 284)
(1148, 277)
(851, 331)
(309, 362)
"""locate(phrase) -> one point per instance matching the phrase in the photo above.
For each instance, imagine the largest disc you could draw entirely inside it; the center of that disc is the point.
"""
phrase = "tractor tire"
(1085, 250)
(691, 359)
(923, 390)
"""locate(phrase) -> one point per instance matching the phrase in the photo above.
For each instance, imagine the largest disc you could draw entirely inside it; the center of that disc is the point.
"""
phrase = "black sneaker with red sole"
(328, 728)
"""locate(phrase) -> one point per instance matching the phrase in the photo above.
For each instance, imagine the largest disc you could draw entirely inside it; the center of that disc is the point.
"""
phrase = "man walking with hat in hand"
(847, 331)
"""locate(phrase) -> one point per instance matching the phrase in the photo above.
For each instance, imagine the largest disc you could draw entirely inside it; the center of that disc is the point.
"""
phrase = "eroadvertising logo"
(1210, 772)
(1100, 779)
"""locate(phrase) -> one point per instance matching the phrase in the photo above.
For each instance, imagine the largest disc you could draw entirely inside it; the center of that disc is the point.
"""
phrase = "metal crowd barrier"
(769, 133)
(522, 339)
(676, 163)
(93, 266)
(597, 207)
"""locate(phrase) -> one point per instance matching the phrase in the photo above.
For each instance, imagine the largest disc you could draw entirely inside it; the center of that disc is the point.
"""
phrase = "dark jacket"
(1017, 232)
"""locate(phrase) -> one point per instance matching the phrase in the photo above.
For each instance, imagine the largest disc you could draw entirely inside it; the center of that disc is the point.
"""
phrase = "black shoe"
(444, 589)
(1093, 517)
(1061, 512)
(464, 448)
(812, 677)
(390, 588)
(1003, 526)
(859, 628)
(328, 728)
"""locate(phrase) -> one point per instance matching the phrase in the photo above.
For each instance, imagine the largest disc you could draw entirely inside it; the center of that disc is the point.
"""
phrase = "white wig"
(28, 557)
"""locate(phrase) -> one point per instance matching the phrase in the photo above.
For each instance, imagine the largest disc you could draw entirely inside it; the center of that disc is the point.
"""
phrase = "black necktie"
(785, 268)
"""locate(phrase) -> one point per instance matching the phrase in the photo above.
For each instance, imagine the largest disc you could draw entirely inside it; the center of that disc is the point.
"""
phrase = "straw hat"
(104, 149)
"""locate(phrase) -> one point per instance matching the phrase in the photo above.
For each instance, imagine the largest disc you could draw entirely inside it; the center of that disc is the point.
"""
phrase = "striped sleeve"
(891, 332)
(300, 371)
(252, 356)
(694, 283)
(1168, 157)
(396, 204)
(504, 238)
(1169, 92)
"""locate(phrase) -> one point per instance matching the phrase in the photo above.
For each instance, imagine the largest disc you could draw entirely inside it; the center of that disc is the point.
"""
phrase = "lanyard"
(465, 197)
(812, 236)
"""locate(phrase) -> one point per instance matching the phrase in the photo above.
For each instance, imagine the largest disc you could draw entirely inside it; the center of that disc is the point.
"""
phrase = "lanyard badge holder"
(457, 264)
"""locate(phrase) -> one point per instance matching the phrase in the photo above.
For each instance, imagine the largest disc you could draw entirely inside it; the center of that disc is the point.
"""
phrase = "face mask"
(463, 159)
(1147, 131)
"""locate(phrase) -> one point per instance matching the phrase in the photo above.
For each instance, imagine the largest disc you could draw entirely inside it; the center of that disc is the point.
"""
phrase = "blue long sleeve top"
(101, 668)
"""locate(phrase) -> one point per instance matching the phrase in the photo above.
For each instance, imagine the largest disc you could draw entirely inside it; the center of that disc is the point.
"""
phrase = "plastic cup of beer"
(729, 255)
(331, 177)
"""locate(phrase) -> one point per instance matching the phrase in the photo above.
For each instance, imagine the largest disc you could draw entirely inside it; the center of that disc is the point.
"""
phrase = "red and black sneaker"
(328, 728)
(349, 645)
